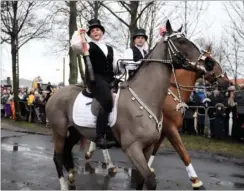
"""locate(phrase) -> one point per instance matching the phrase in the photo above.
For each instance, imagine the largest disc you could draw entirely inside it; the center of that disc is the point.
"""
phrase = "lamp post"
(57, 69)
(64, 71)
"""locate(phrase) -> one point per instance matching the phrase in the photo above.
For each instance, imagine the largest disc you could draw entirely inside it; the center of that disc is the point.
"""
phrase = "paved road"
(31, 167)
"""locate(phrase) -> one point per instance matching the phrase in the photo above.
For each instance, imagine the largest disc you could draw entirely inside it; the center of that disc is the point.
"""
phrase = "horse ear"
(168, 27)
(209, 48)
(180, 29)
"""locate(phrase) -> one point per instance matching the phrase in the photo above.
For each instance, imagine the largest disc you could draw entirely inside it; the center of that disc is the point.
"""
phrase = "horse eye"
(181, 41)
(209, 65)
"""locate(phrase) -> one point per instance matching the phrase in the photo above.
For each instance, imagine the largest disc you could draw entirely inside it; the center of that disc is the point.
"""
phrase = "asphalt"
(27, 164)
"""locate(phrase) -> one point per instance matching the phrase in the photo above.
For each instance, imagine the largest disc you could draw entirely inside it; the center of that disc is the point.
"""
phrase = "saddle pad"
(82, 115)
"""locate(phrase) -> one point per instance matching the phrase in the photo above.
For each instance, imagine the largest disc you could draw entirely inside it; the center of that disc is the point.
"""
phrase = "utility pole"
(64, 71)
(186, 18)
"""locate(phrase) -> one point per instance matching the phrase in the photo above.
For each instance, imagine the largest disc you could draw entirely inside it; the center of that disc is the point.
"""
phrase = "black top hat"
(140, 32)
(94, 23)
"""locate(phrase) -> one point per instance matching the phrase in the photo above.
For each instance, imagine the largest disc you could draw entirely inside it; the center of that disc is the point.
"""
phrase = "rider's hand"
(122, 64)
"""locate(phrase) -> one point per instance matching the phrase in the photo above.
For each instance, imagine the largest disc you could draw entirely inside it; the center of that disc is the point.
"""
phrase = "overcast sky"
(37, 57)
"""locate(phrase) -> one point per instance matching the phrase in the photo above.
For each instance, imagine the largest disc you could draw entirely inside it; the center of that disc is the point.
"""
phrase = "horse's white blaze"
(63, 184)
(191, 172)
(151, 159)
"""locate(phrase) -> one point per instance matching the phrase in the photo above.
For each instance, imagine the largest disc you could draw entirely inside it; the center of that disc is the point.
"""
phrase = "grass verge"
(198, 143)
(192, 142)
(32, 127)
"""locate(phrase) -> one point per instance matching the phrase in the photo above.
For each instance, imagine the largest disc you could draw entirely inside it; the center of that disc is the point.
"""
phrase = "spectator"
(30, 98)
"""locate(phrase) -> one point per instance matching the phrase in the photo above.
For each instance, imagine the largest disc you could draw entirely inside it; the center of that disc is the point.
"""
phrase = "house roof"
(238, 81)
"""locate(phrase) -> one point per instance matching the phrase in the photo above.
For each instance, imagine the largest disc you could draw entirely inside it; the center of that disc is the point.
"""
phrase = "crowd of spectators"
(216, 104)
(32, 103)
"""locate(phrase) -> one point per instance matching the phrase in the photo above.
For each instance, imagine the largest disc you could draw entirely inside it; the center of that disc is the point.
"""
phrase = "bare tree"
(151, 20)
(132, 8)
(234, 56)
(86, 10)
(235, 39)
(235, 11)
(191, 15)
(20, 24)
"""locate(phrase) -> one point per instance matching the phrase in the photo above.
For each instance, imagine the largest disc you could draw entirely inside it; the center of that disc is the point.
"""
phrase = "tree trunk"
(14, 52)
(73, 75)
(15, 62)
(96, 9)
(133, 20)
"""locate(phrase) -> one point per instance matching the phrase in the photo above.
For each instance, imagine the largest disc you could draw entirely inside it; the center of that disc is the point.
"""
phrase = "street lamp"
(57, 69)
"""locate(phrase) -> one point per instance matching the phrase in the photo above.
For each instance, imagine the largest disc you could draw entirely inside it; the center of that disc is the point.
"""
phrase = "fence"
(36, 114)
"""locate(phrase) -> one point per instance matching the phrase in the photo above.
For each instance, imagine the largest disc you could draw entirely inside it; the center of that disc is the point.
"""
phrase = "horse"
(136, 119)
(177, 94)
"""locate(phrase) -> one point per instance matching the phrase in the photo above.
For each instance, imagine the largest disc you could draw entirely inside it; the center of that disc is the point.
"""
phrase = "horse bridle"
(178, 55)
(212, 73)
(175, 53)
(195, 65)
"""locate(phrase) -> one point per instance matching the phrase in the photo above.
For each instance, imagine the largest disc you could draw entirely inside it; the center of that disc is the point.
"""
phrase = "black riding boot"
(102, 121)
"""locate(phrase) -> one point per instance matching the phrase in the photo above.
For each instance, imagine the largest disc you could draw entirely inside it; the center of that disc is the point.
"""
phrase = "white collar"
(140, 48)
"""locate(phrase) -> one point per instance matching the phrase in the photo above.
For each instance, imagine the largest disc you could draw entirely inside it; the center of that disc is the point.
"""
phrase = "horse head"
(181, 50)
(214, 72)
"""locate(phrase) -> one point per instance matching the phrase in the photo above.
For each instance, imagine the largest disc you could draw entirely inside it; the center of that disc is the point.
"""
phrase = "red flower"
(162, 30)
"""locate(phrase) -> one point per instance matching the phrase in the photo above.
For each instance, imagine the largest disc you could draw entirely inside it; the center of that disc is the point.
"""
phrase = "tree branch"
(25, 17)
(126, 6)
(120, 19)
(139, 15)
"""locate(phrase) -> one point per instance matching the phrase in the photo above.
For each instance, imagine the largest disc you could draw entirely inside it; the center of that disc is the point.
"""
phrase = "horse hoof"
(199, 188)
(112, 171)
(151, 182)
(72, 187)
(104, 165)
(139, 186)
(87, 155)
(152, 169)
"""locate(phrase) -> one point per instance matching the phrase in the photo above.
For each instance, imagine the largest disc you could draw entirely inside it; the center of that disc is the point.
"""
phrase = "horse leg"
(70, 141)
(58, 158)
(155, 150)
(137, 157)
(90, 151)
(108, 161)
(139, 178)
(175, 139)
